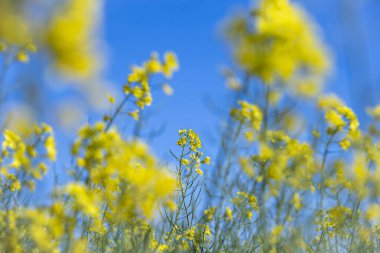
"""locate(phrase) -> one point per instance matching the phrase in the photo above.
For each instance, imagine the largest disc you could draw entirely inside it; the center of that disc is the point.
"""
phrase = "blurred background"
(129, 30)
(194, 30)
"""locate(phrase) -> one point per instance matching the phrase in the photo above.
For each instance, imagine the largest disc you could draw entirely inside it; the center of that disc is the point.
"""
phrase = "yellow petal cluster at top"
(138, 84)
(282, 46)
(340, 119)
(190, 138)
(71, 38)
(192, 159)
(248, 114)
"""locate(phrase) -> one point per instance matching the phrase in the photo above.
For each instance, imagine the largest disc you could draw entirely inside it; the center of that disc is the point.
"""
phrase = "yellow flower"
(22, 56)
(135, 114)
(335, 119)
(50, 148)
(190, 234)
(84, 198)
(295, 56)
(339, 118)
(153, 65)
(111, 99)
(228, 215)
(138, 81)
(373, 213)
(15, 185)
(182, 131)
(340, 215)
(185, 161)
(190, 138)
(246, 166)
(71, 38)
(249, 215)
(162, 247)
(209, 213)
(297, 201)
(276, 232)
(11, 139)
(199, 171)
(345, 144)
(248, 114)
(138, 75)
(206, 160)
(170, 64)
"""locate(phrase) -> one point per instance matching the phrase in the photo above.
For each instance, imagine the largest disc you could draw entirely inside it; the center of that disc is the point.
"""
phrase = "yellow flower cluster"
(333, 221)
(36, 228)
(282, 46)
(246, 203)
(190, 239)
(116, 182)
(228, 214)
(209, 213)
(121, 175)
(193, 158)
(138, 86)
(40, 230)
(68, 31)
(71, 38)
(287, 159)
(139, 80)
(341, 120)
(248, 115)
(15, 31)
(190, 139)
(24, 159)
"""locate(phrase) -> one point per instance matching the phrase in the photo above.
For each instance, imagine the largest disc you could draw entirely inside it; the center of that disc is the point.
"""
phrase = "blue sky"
(189, 28)
(193, 29)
